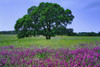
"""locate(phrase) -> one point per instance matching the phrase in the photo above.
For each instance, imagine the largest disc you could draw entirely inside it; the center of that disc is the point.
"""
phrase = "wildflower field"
(60, 51)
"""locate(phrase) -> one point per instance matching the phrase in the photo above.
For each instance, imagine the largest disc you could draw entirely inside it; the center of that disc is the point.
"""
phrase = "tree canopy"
(44, 20)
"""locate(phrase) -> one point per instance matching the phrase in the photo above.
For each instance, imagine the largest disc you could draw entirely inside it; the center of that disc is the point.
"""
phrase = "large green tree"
(43, 20)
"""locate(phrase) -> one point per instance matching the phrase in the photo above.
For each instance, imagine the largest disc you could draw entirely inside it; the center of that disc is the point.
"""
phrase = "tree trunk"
(48, 37)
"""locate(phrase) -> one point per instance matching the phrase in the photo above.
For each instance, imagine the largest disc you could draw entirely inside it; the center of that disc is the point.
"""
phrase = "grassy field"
(20, 53)
(54, 42)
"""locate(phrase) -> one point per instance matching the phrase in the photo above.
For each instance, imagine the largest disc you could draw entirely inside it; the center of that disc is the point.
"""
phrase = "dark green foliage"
(31, 9)
(70, 32)
(99, 34)
(43, 20)
(24, 27)
(64, 31)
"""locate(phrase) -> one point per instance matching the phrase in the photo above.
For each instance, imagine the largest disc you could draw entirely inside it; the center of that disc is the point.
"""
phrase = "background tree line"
(61, 31)
(8, 32)
(88, 34)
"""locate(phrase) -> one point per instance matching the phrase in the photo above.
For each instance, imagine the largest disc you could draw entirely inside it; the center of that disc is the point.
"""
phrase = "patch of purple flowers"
(45, 57)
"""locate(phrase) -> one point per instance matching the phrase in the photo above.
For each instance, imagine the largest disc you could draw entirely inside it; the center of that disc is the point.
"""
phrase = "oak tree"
(43, 20)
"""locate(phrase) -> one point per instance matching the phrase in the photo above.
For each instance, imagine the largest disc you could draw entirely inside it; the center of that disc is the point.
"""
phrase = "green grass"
(54, 42)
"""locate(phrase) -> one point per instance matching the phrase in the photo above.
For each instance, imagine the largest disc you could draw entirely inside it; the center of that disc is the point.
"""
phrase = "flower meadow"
(88, 56)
